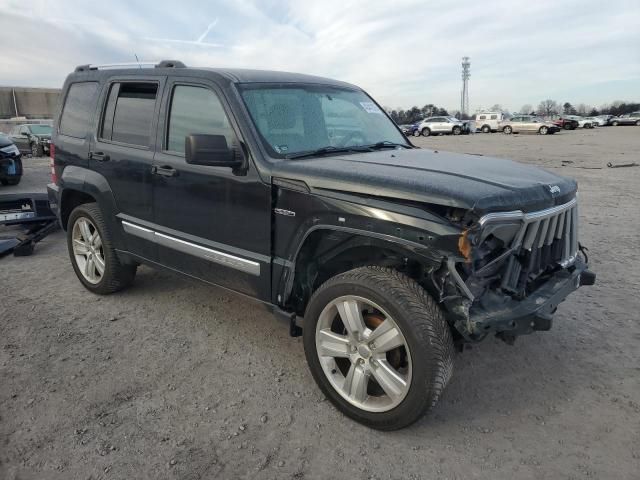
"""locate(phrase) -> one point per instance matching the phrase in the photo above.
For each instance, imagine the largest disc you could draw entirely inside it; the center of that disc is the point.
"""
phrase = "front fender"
(408, 228)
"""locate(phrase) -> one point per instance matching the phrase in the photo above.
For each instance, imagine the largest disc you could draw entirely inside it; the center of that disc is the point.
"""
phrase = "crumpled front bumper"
(520, 317)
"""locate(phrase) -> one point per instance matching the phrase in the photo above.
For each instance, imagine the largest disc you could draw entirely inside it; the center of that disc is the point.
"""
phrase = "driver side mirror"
(25, 134)
(212, 151)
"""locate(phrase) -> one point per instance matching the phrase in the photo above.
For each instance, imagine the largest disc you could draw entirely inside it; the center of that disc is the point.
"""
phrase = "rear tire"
(456, 130)
(486, 129)
(414, 363)
(638, 123)
(543, 130)
(615, 124)
(99, 252)
(36, 150)
(11, 181)
(507, 130)
(426, 132)
(416, 133)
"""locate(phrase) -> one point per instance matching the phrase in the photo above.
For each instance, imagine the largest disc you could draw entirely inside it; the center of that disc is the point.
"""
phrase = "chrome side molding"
(215, 256)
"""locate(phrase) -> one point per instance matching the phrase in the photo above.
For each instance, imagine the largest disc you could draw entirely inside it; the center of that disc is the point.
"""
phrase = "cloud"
(404, 53)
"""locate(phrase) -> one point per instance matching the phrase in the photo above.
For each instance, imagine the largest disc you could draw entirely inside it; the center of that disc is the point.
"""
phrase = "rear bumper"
(53, 192)
(520, 317)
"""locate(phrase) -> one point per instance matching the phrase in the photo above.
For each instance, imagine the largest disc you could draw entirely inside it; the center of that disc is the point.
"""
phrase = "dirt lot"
(173, 379)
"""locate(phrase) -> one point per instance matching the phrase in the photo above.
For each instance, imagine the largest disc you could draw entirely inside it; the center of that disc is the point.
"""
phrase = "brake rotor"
(374, 320)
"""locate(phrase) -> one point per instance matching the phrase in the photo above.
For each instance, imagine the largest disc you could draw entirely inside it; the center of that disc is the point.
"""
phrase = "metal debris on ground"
(623, 165)
(32, 213)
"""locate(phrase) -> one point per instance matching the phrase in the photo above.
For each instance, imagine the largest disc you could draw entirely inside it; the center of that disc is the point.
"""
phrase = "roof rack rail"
(106, 66)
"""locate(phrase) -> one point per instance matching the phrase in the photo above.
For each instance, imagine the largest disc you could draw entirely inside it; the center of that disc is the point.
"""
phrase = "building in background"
(23, 104)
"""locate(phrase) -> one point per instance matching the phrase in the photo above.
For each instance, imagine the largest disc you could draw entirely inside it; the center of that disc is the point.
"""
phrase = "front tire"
(638, 123)
(615, 124)
(543, 130)
(92, 253)
(507, 130)
(456, 130)
(486, 129)
(378, 346)
(416, 133)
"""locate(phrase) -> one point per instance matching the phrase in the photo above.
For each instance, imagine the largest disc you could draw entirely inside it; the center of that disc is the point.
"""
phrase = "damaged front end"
(512, 271)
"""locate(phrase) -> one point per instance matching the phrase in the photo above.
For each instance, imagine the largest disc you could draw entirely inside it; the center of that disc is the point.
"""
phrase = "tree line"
(550, 107)
(412, 115)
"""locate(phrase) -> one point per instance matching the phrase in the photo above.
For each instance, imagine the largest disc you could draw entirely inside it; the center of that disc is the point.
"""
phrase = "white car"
(440, 125)
(595, 121)
(583, 122)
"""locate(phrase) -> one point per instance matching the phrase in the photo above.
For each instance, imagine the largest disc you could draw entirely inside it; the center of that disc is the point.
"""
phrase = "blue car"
(10, 162)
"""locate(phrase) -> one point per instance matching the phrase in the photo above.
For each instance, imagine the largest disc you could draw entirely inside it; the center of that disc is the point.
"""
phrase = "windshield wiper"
(327, 150)
(387, 144)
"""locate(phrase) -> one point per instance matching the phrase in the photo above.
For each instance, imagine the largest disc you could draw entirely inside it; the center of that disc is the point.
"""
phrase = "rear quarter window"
(78, 109)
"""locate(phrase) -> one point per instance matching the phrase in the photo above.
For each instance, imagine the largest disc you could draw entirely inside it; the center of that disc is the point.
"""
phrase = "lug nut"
(372, 345)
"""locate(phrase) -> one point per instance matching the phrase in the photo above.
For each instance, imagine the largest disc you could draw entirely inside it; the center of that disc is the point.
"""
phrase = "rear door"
(20, 137)
(123, 153)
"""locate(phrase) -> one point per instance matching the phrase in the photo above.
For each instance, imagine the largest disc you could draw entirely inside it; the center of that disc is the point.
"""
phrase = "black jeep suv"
(301, 192)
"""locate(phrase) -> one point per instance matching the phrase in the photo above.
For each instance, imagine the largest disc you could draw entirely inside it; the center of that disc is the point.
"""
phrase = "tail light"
(52, 157)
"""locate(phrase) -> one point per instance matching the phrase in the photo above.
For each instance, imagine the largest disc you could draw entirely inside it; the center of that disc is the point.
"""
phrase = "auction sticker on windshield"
(370, 107)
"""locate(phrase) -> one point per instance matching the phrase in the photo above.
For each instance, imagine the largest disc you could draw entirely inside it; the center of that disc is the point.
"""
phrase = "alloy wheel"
(363, 353)
(87, 250)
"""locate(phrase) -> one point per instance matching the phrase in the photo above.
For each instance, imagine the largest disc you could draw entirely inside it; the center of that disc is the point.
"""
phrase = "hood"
(473, 182)
(5, 141)
(42, 136)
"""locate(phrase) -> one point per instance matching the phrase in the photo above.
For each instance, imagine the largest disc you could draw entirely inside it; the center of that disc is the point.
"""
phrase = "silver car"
(527, 123)
(440, 125)
(628, 119)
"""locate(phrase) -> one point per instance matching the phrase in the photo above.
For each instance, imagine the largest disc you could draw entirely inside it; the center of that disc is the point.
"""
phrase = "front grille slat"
(547, 239)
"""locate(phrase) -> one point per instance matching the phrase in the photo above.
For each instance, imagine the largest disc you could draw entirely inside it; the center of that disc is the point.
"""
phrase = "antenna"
(464, 96)
(135, 55)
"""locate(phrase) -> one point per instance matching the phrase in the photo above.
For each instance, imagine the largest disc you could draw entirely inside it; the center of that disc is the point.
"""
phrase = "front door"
(212, 223)
(123, 153)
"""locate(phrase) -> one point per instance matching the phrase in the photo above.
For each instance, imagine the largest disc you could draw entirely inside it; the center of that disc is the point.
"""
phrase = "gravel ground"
(173, 379)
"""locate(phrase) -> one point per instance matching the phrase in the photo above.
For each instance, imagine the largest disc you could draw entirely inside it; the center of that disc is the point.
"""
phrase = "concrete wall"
(30, 102)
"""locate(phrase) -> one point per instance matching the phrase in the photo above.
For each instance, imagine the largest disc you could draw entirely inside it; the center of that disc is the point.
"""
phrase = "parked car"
(441, 125)
(566, 123)
(411, 129)
(583, 122)
(10, 162)
(595, 121)
(380, 254)
(488, 122)
(628, 119)
(32, 138)
(528, 123)
(604, 119)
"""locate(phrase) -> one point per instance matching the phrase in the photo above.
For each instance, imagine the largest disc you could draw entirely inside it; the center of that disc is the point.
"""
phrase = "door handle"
(165, 171)
(99, 156)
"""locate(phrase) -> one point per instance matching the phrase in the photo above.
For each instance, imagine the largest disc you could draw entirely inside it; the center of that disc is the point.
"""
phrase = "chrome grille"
(547, 238)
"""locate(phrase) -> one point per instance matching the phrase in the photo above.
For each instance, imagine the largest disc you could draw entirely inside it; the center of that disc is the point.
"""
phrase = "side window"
(129, 113)
(24, 129)
(482, 117)
(78, 109)
(195, 110)
(494, 117)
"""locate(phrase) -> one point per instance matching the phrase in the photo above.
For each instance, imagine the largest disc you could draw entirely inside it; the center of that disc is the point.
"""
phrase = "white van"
(488, 121)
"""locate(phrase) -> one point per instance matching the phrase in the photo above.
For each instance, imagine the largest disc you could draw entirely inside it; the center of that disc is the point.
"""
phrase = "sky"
(402, 52)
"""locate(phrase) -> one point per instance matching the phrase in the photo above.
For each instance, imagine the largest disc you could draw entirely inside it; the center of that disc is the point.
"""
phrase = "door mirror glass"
(211, 150)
